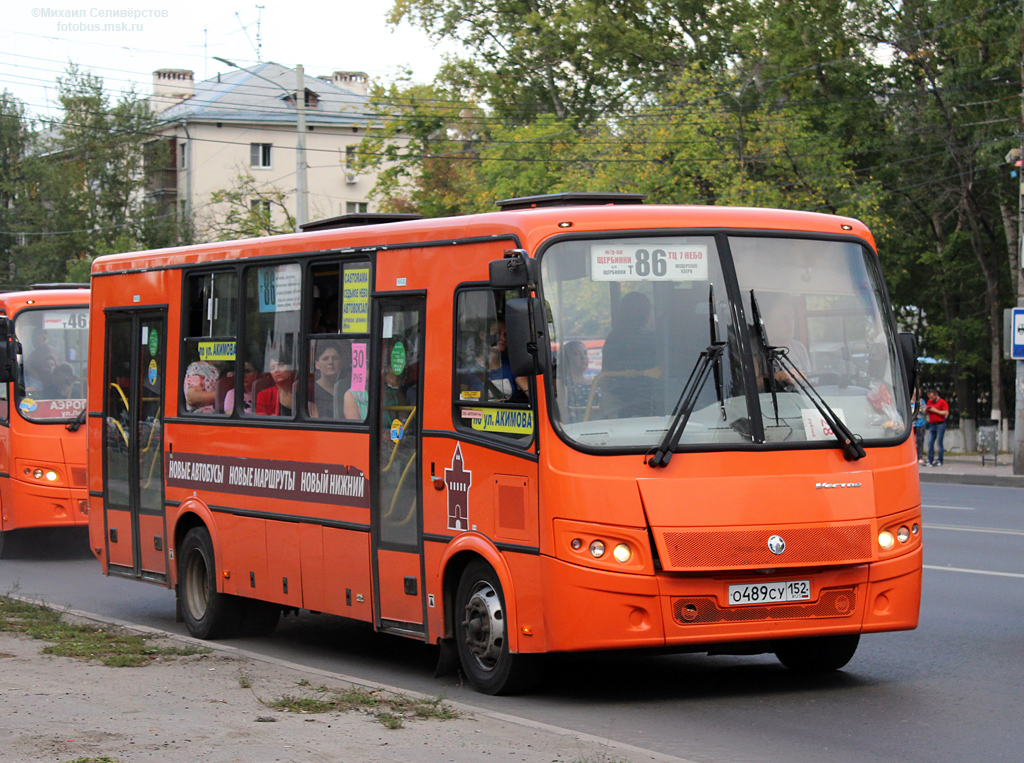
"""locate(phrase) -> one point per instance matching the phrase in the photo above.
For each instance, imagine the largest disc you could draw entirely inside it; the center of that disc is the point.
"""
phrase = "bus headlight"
(51, 476)
(622, 553)
(38, 474)
(903, 534)
(886, 540)
(597, 549)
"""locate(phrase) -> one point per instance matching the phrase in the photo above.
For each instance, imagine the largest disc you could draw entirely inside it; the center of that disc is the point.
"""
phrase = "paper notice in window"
(815, 426)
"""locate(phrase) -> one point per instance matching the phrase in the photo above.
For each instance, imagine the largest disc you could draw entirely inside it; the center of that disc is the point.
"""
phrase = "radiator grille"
(732, 549)
(833, 602)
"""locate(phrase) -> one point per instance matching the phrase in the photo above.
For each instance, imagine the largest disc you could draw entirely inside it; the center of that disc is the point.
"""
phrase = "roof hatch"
(572, 199)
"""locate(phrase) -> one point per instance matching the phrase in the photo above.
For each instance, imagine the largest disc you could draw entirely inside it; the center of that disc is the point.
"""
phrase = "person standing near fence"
(920, 421)
(937, 411)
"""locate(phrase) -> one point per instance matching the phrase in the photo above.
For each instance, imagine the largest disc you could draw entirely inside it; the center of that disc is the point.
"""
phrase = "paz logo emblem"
(776, 544)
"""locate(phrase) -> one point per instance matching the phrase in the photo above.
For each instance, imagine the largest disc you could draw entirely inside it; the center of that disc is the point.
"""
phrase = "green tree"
(955, 78)
(246, 209)
(14, 137)
(81, 191)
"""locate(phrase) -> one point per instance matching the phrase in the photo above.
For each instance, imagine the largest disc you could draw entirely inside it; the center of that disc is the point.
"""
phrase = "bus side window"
(272, 298)
(208, 354)
(485, 389)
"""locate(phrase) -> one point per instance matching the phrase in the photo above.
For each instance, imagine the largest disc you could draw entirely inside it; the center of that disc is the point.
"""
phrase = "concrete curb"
(993, 480)
(600, 742)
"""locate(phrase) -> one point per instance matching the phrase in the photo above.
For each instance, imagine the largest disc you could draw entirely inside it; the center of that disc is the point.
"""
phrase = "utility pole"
(301, 192)
(1018, 432)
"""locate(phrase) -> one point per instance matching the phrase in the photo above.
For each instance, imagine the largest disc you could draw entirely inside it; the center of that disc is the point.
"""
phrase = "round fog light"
(885, 540)
(622, 553)
(38, 474)
(903, 534)
(597, 549)
(915, 529)
(576, 544)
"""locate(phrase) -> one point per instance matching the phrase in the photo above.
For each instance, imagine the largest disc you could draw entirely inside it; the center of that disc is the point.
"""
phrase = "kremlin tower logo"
(457, 479)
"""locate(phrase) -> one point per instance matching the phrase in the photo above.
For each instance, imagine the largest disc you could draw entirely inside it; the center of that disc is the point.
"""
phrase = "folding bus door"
(133, 479)
(396, 499)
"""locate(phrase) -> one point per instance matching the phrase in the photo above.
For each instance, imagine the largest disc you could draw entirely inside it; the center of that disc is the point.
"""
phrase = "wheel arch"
(195, 513)
(457, 556)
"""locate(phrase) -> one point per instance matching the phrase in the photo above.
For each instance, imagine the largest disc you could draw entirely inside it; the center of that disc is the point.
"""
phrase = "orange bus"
(43, 371)
(389, 422)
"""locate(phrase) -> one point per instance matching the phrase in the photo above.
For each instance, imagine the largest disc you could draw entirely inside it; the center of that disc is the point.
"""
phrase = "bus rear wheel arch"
(207, 613)
(481, 635)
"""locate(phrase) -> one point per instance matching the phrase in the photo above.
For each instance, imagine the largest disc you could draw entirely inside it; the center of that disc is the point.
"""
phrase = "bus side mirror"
(8, 352)
(521, 316)
(908, 351)
(514, 271)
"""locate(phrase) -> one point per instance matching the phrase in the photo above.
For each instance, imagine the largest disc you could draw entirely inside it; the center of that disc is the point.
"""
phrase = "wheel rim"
(197, 591)
(484, 625)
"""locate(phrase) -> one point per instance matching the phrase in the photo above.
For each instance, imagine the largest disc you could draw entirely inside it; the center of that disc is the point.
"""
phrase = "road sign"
(1017, 334)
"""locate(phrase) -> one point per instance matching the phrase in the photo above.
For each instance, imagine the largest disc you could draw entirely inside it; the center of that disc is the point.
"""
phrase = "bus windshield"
(631, 317)
(54, 345)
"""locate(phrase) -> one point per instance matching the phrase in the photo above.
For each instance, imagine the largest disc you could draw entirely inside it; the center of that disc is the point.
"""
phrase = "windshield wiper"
(709, 359)
(77, 421)
(717, 365)
(852, 448)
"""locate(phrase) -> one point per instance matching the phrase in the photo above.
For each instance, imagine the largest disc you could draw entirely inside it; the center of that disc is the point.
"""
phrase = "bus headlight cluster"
(42, 474)
(621, 553)
(887, 539)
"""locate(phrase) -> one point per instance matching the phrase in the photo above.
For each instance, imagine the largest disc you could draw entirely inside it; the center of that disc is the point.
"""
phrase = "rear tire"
(820, 654)
(481, 636)
(207, 613)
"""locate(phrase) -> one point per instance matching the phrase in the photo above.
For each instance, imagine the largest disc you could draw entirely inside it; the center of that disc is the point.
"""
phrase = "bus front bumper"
(588, 609)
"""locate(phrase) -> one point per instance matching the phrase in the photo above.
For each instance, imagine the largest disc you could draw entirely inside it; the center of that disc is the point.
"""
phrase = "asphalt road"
(950, 691)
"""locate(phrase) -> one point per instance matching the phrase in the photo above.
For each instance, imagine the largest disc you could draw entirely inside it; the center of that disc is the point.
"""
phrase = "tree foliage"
(899, 113)
(79, 184)
(247, 209)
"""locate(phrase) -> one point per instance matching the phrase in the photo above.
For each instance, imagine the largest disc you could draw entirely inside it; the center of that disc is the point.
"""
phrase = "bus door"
(395, 498)
(133, 501)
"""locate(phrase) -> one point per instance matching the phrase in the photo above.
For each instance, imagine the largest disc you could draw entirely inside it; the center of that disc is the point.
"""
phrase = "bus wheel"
(481, 638)
(819, 654)
(207, 614)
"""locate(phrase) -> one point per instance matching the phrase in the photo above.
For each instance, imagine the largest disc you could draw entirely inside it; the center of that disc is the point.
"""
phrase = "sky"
(38, 40)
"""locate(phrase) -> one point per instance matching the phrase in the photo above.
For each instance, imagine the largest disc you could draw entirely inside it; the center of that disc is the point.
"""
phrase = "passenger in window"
(62, 382)
(491, 373)
(629, 358)
(327, 363)
(278, 400)
(200, 387)
(248, 377)
(780, 326)
(39, 370)
(576, 389)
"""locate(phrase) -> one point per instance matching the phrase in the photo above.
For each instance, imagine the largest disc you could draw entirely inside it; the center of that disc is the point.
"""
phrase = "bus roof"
(13, 301)
(529, 226)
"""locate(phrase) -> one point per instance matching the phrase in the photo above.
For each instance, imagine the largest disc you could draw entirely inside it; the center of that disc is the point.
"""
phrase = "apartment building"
(244, 123)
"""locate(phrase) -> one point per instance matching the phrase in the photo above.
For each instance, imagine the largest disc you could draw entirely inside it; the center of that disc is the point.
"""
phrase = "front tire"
(820, 654)
(482, 639)
(207, 613)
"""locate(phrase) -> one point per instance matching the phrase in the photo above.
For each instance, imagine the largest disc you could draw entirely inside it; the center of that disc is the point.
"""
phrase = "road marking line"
(976, 572)
(993, 530)
(951, 508)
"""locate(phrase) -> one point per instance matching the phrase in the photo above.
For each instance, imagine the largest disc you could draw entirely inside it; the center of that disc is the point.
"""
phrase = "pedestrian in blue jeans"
(937, 410)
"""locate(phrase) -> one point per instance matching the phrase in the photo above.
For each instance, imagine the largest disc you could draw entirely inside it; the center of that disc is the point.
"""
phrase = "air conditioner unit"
(351, 178)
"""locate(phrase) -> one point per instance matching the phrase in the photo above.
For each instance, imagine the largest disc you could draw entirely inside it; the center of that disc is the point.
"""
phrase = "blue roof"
(260, 94)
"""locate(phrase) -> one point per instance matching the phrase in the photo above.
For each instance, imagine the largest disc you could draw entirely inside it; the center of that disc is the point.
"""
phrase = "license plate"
(769, 593)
